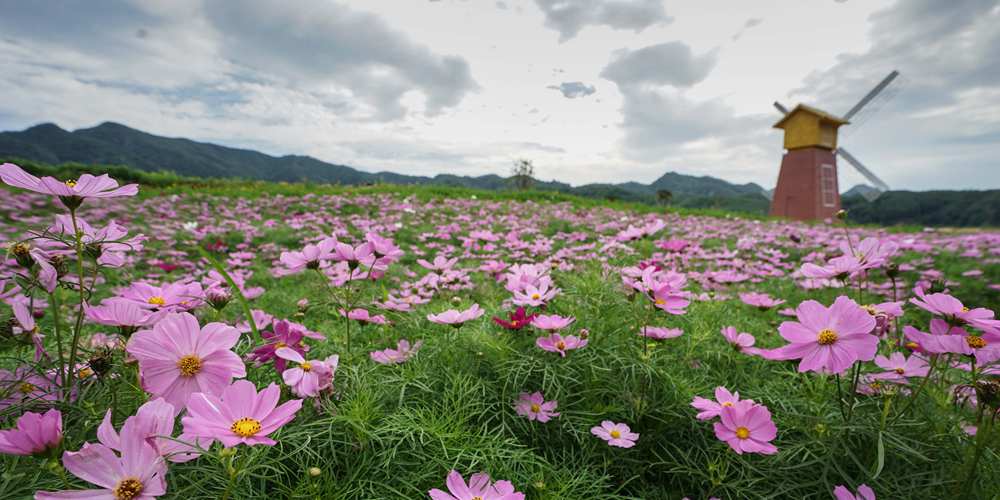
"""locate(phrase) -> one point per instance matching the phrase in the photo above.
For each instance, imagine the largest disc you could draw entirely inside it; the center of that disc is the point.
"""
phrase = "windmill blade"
(871, 95)
(862, 169)
(779, 107)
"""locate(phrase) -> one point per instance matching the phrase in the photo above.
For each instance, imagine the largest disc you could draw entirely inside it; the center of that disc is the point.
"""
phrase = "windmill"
(807, 183)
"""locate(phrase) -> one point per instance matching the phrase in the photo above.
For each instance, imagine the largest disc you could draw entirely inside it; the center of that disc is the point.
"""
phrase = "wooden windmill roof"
(802, 108)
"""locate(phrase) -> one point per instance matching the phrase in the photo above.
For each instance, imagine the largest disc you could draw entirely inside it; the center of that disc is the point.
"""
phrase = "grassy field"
(395, 431)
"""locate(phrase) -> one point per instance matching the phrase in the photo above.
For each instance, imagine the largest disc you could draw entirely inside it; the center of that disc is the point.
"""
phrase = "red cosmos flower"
(518, 320)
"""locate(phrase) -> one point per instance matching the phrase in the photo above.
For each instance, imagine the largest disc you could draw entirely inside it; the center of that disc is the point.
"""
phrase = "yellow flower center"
(127, 489)
(72, 184)
(535, 296)
(827, 336)
(279, 345)
(742, 432)
(900, 371)
(912, 345)
(615, 434)
(156, 301)
(975, 342)
(727, 403)
(245, 427)
(659, 302)
(561, 345)
(535, 408)
(189, 365)
(513, 323)
(870, 309)
(84, 373)
(965, 309)
(306, 366)
(27, 388)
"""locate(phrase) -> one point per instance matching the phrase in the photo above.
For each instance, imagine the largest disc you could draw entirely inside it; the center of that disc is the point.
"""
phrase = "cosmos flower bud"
(21, 252)
(937, 286)
(93, 250)
(841, 214)
(218, 298)
(303, 305)
(988, 392)
(315, 471)
(456, 301)
(584, 333)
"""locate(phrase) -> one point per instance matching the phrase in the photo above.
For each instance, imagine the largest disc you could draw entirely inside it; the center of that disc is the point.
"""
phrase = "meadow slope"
(395, 430)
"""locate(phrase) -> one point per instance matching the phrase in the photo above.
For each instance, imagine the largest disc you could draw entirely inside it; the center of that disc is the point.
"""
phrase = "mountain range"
(116, 144)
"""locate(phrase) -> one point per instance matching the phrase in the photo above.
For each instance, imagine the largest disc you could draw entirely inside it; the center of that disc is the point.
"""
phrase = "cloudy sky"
(590, 90)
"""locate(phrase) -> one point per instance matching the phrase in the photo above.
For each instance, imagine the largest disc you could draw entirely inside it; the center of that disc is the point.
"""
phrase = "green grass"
(395, 432)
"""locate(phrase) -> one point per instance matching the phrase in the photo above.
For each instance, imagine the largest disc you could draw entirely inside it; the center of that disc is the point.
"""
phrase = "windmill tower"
(807, 183)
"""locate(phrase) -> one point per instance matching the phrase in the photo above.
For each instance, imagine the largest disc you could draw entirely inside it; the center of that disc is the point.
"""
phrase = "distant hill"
(927, 208)
(116, 144)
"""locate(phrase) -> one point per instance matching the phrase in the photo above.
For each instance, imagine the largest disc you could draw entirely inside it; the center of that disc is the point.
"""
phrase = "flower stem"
(54, 302)
(74, 345)
(916, 393)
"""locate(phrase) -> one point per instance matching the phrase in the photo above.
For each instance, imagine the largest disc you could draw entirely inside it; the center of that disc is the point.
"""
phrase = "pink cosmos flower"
(440, 263)
(955, 312)
(551, 322)
(864, 493)
(870, 252)
(534, 295)
(761, 301)
(363, 316)
(353, 256)
(479, 488)
(72, 192)
(139, 473)
(840, 268)
(121, 313)
(178, 358)
(615, 434)
(35, 434)
(985, 348)
(29, 256)
(310, 257)
(283, 336)
(383, 248)
(747, 427)
(558, 344)
(710, 409)
(456, 318)
(518, 320)
(401, 354)
(239, 415)
(899, 367)
(829, 339)
(24, 386)
(738, 340)
(110, 242)
(28, 328)
(660, 333)
(535, 407)
(171, 297)
(154, 420)
(308, 378)
(674, 245)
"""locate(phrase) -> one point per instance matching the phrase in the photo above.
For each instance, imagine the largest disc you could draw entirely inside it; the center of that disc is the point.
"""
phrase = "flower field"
(286, 342)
